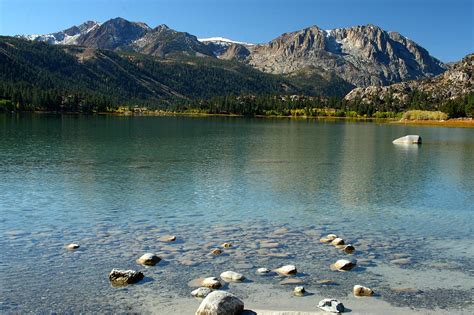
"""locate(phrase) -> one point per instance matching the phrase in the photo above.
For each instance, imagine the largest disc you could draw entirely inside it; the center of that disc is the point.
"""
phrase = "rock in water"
(343, 265)
(299, 291)
(337, 241)
(362, 291)
(226, 245)
(331, 305)
(148, 259)
(328, 238)
(220, 303)
(211, 282)
(232, 276)
(167, 238)
(124, 277)
(410, 139)
(72, 246)
(287, 270)
(348, 249)
(216, 251)
(201, 292)
(263, 270)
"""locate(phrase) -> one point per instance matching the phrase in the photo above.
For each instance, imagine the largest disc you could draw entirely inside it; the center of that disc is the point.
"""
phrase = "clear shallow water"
(114, 184)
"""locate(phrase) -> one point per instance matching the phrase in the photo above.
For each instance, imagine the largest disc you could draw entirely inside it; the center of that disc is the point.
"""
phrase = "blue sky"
(444, 27)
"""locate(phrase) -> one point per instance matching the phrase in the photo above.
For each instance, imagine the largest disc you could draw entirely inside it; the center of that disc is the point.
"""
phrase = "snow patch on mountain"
(222, 41)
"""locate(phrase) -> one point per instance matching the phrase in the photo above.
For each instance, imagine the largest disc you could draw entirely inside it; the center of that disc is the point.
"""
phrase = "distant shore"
(455, 122)
(452, 123)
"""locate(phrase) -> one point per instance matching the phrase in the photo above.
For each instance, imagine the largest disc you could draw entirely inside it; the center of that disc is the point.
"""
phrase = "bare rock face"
(124, 277)
(456, 82)
(361, 55)
(116, 33)
(220, 303)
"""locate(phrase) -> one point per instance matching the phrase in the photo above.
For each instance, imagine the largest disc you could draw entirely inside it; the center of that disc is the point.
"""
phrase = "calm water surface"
(115, 184)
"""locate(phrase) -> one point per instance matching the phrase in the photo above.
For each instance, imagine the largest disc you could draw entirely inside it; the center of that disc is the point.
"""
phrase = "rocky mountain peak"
(114, 34)
(362, 55)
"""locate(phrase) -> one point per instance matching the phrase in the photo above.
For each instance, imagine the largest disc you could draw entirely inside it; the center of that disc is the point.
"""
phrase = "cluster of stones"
(339, 243)
(216, 301)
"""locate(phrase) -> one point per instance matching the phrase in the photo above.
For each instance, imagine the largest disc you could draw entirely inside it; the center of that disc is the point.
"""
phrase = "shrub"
(424, 115)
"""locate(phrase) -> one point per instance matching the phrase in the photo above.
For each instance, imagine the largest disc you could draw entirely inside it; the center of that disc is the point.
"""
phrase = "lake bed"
(114, 185)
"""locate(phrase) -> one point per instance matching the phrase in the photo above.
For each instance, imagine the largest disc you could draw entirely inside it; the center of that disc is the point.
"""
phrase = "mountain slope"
(163, 41)
(455, 83)
(114, 34)
(30, 69)
(362, 55)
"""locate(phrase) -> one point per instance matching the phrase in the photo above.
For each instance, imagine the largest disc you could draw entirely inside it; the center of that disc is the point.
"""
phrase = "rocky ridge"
(456, 82)
(361, 55)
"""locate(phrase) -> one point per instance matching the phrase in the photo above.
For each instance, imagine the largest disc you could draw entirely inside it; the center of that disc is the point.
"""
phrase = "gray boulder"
(410, 139)
(220, 303)
(331, 305)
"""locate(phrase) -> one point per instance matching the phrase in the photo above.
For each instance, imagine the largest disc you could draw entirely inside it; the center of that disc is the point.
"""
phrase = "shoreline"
(449, 123)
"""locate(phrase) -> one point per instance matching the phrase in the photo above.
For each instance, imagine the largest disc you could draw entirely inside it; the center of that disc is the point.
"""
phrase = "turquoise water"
(114, 184)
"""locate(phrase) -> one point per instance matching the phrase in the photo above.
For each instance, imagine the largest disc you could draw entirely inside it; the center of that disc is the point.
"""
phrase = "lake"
(114, 185)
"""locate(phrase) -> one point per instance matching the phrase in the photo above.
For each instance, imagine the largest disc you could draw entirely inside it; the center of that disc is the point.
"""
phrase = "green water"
(113, 184)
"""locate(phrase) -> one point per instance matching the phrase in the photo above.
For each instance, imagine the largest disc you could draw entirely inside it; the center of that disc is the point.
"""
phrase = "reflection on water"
(114, 184)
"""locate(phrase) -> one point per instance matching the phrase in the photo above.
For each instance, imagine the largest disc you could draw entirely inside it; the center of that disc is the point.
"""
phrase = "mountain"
(220, 46)
(455, 83)
(163, 41)
(361, 55)
(66, 37)
(47, 76)
(114, 34)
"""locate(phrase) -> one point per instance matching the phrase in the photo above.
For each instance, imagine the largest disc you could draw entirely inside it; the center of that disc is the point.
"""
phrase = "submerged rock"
(263, 270)
(331, 305)
(410, 139)
(337, 241)
(168, 238)
(124, 277)
(328, 238)
(216, 251)
(211, 282)
(401, 261)
(72, 246)
(148, 259)
(299, 291)
(220, 303)
(287, 270)
(359, 290)
(201, 292)
(291, 281)
(232, 276)
(343, 265)
(348, 249)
